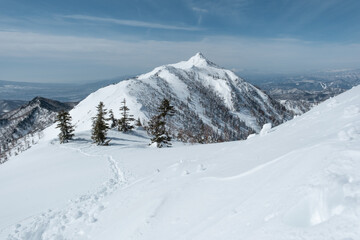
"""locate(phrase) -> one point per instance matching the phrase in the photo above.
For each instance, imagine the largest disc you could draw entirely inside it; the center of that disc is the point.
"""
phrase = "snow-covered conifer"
(63, 120)
(99, 126)
(157, 124)
(126, 119)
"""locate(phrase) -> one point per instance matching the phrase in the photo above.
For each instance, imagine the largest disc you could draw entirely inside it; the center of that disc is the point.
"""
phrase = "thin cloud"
(131, 23)
(221, 7)
(108, 58)
(201, 10)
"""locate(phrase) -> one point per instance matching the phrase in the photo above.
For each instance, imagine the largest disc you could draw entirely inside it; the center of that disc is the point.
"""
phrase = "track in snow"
(77, 217)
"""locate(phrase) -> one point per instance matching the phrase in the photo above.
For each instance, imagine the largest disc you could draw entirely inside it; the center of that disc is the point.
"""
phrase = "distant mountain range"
(312, 87)
(301, 91)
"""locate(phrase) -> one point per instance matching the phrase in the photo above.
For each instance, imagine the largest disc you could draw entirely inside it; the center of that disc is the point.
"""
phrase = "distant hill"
(28, 119)
(299, 93)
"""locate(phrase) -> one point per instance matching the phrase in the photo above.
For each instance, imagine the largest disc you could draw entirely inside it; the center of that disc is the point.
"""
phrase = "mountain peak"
(49, 104)
(199, 56)
(198, 60)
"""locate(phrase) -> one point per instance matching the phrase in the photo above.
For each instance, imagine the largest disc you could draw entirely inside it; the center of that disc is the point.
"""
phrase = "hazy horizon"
(88, 41)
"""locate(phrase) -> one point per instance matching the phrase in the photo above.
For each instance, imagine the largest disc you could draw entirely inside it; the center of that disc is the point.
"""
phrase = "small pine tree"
(63, 120)
(99, 126)
(157, 124)
(114, 121)
(138, 123)
(126, 119)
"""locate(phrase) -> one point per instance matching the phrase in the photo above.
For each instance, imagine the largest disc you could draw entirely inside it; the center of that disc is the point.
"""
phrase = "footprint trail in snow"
(76, 219)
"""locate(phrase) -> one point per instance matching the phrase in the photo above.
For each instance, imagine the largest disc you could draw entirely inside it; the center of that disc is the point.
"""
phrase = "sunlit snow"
(300, 180)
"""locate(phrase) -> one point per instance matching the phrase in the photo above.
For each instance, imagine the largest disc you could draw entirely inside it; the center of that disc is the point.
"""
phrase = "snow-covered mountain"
(212, 103)
(32, 117)
(300, 180)
(35, 115)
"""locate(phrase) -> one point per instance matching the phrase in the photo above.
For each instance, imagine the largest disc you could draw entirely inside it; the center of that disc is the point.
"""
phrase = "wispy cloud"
(104, 57)
(220, 7)
(130, 23)
(200, 10)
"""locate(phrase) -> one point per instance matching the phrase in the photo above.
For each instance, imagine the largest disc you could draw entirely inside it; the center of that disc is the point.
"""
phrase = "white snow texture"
(300, 180)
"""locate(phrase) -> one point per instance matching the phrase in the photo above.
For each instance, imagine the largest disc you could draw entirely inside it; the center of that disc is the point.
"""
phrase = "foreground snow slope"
(301, 180)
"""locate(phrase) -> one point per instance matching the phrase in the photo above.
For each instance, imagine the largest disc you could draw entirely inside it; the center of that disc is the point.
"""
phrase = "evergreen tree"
(99, 126)
(138, 123)
(157, 125)
(114, 121)
(63, 120)
(126, 119)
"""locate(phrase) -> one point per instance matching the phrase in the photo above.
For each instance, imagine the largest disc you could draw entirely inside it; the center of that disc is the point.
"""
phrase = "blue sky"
(72, 41)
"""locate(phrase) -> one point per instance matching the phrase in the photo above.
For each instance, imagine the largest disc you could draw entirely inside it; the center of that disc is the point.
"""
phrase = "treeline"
(103, 121)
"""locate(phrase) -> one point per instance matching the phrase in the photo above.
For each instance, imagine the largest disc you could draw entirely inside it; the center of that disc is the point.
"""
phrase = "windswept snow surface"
(301, 180)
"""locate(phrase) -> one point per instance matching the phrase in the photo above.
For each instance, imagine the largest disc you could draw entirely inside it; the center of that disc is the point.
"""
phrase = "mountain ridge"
(29, 118)
(212, 103)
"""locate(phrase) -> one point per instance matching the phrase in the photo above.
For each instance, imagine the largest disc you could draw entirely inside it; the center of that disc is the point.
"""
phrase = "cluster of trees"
(100, 125)
(157, 125)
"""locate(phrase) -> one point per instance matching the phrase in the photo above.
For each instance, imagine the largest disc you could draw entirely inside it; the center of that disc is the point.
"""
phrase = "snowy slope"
(300, 180)
(209, 100)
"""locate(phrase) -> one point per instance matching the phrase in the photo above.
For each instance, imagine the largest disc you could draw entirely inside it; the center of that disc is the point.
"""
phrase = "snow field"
(300, 180)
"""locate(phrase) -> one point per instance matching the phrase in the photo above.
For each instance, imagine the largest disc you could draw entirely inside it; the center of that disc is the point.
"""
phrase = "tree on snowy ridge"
(126, 119)
(63, 120)
(157, 124)
(99, 126)
(114, 121)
